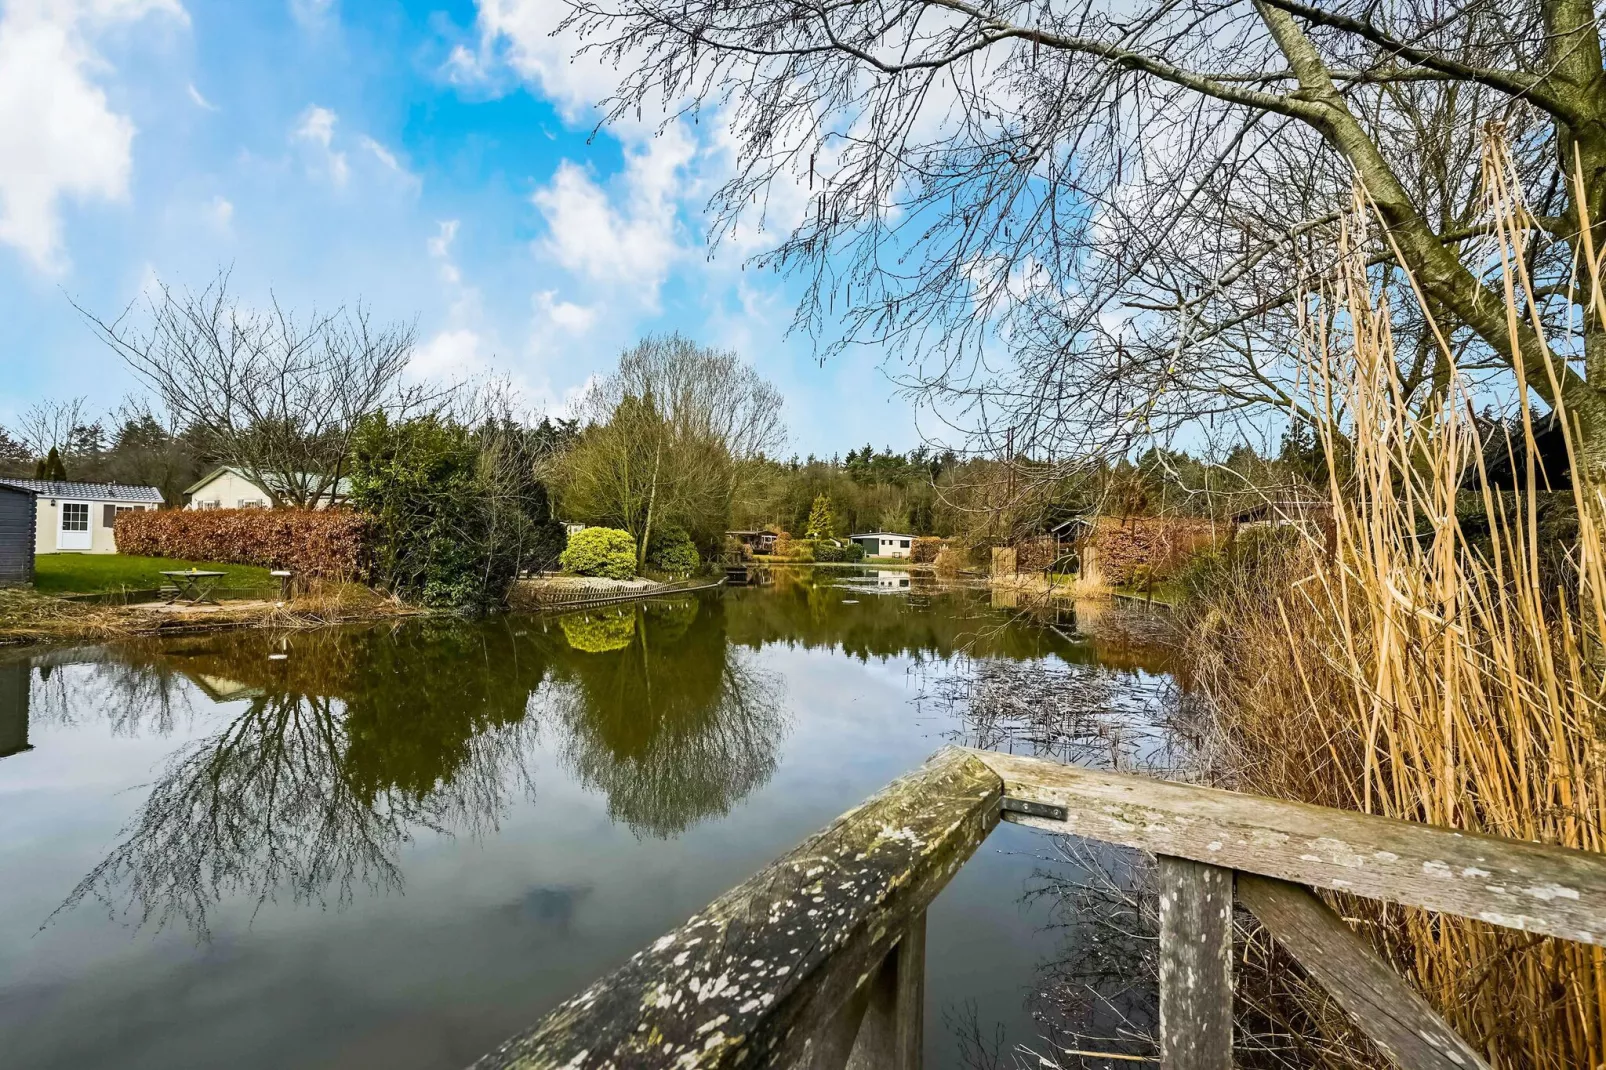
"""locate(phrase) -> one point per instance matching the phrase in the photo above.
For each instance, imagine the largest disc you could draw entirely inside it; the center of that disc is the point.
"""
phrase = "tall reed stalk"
(1401, 661)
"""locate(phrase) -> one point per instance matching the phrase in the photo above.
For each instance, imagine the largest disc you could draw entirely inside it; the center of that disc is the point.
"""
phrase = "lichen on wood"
(751, 978)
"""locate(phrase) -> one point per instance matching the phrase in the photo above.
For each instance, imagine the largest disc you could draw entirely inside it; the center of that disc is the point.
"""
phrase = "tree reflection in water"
(664, 715)
(355, 739)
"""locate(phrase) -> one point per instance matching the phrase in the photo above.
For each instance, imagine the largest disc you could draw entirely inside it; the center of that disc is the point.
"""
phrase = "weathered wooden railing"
(817, 961)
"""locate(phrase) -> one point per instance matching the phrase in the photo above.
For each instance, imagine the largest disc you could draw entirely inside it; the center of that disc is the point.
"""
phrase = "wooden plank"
(766, 966)
(893, 1032)
(1195, 965)
(1534, 887)
(1384, 1006)
(829, 1047)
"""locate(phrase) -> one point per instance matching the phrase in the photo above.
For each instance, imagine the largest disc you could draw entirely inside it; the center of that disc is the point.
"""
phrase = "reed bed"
(1427, 654)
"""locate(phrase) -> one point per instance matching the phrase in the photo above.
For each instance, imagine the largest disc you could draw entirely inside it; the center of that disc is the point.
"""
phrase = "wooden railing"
(817, 961)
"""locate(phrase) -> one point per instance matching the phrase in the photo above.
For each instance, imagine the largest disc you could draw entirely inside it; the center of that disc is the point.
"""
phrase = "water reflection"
(664, 716)
(14, 689)
(339, 746)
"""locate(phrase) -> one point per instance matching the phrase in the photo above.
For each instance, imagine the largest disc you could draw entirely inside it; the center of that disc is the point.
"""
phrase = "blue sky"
(432, 159)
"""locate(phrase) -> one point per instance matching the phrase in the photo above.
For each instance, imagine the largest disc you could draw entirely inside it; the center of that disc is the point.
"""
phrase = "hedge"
(925, 549)
(309, 542)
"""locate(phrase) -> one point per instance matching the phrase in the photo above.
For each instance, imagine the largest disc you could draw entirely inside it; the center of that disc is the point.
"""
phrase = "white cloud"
(59, 137)
(382, 154)
(538, 53)
(316, 127)
(451, 355)
(624, 240)
(200, 101)
(440, 249)
(221, 211)
(564, 315)
(313, 15)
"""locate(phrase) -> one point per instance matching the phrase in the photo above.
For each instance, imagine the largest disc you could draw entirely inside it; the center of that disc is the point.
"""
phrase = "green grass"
(99, 573)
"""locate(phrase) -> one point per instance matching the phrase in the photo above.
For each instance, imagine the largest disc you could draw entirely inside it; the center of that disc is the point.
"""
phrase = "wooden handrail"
(817, 961)
(1535, 887)
(780, 966)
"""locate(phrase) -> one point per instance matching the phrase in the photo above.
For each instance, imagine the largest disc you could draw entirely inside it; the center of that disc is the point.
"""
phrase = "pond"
(397, 845)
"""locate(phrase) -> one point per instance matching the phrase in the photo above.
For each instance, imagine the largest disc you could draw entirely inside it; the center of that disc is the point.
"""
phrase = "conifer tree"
(821, 521)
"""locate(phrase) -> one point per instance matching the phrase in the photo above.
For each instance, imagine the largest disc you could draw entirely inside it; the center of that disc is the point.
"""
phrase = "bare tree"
(671, 435)
(277, 395)
(47, 425)
(1129, 197)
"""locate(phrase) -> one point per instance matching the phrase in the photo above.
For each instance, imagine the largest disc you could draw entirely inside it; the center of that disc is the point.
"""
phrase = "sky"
(435, 160)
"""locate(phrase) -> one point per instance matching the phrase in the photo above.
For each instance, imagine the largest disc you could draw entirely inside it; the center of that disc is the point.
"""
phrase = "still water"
(397, 845)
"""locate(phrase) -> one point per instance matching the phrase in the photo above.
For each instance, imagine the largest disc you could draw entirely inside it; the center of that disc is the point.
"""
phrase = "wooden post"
(892, 1033)
(1195, 965)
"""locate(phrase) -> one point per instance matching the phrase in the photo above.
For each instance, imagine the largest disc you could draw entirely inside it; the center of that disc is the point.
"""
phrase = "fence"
(818, 960)
(579, 596)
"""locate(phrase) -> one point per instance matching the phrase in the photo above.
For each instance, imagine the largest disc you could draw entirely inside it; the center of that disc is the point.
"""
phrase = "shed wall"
(16, 536)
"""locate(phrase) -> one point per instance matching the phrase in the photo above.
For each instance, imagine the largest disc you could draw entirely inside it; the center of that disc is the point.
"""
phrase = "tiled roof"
(99, 492)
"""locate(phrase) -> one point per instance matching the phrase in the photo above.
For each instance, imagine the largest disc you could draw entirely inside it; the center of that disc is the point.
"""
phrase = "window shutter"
(111, 516)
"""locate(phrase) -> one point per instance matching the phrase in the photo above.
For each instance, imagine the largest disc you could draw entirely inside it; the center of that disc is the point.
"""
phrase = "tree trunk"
(652, 502)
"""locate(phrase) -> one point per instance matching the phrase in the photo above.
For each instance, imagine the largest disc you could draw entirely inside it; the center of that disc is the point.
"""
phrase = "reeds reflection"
(340, 746)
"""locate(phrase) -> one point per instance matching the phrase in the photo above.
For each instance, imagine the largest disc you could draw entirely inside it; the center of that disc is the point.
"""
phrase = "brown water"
(398, 845)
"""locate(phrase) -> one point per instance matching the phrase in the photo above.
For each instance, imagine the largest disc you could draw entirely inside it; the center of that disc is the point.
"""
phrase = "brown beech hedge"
(308, 542)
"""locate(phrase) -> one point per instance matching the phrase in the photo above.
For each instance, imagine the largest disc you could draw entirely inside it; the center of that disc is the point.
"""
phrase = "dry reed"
(1402, 664)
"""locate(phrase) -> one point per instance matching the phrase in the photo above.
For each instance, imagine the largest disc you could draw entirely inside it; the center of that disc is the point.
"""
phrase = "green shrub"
(605, 552)
(671, 550)
(831, 551)
(456, 511)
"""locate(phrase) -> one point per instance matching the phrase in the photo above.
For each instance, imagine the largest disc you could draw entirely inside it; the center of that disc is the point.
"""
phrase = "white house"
(230, 488)
(79, 517)
(883, 543)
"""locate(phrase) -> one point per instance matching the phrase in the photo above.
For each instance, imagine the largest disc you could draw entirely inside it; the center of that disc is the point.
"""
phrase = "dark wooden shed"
(17, 515)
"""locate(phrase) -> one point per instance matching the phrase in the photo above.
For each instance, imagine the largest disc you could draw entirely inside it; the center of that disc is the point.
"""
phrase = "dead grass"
(26, 616)
(1412, 671)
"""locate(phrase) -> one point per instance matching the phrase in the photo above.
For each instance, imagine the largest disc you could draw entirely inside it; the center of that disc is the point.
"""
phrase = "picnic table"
(192, 585)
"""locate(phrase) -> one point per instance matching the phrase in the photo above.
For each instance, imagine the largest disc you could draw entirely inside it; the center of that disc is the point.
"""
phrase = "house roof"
(881, 534)
(105, 492)
(341, 488)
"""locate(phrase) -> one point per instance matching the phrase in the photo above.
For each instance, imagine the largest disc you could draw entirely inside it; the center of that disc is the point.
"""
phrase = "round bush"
(672, 550)
(606, 552)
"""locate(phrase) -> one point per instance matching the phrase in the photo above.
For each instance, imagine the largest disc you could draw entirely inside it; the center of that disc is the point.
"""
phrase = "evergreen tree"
(821, 522)
(50, 466)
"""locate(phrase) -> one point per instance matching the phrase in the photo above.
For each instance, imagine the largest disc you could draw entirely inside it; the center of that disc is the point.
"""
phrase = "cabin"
(884, 543)
(80, 518)
(229, 487)
(755, 542)
(17, 513)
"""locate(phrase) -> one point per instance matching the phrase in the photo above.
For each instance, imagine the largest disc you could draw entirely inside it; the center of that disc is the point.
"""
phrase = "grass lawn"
(97, 573)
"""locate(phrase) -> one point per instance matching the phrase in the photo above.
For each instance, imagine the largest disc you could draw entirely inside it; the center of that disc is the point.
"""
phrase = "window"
(903, 544)
(209, 505)
(252, 503)
(114, 511)
(74, 516)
